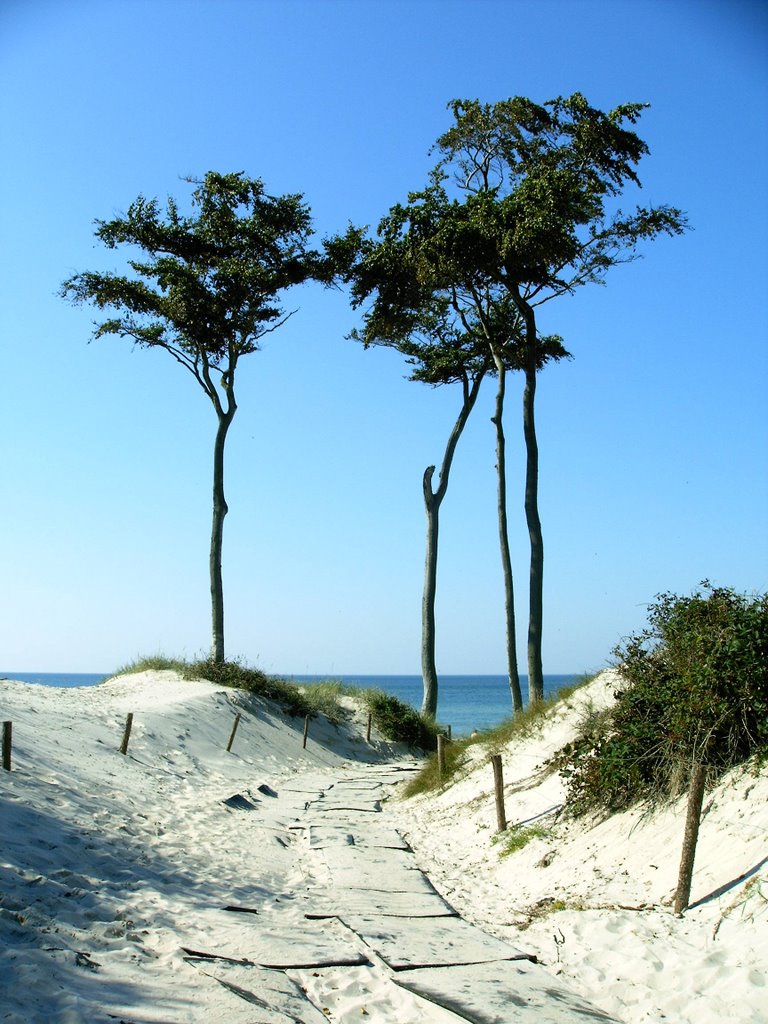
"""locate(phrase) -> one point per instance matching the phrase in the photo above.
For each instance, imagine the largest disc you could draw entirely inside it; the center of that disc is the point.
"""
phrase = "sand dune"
(115, 872)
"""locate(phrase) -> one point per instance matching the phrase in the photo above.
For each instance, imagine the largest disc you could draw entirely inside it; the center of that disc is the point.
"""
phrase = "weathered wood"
(127, 733)
(368, 730)
(690, 838)
(498, 780)
(441, 754)
(234, 730)
(448, 733)
(306, 731)
(7, 740)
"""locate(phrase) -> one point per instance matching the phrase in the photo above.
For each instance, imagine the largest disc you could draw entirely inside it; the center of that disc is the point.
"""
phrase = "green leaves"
(696, 688)
(206, 285)
(543, 175)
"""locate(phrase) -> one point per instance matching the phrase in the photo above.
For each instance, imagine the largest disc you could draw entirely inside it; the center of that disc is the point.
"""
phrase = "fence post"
(7, 734)
(692, 821)
(498, 780)
(306, 730)
(368, 730)
(126, 733)
(441, 754)
(234, 730)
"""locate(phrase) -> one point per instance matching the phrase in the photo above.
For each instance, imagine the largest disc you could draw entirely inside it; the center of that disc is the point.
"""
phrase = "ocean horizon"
(465, 702)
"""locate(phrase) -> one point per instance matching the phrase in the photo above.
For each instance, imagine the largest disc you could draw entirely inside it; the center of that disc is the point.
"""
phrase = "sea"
(465, 702)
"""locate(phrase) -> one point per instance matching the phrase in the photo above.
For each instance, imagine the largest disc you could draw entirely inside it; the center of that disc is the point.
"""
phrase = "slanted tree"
(536, 221)
(205, 287)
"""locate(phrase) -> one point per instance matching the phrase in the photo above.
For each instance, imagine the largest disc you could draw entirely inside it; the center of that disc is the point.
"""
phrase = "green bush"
(398, 721)
(695, 687)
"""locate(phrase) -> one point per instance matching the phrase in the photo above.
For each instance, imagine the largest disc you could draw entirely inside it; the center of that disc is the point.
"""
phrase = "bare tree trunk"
(536, 578)
(506, 559)
(536, 574)
(432, 501)
(220, 510)
(428, 666)
(692, 821)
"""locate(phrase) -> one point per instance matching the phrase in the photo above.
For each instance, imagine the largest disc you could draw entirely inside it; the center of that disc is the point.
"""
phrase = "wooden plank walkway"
(362, 900)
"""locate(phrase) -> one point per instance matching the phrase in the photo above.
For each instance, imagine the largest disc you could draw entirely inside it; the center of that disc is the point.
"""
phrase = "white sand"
(110, 865)
(617, 940)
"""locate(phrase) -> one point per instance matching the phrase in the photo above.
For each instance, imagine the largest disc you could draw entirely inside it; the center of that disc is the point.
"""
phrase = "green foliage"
(523, 723)
(206, 286)
(233, 673)
(398, 721)
(154, 662)
(516, 837)
(324, 698)
(695, 689)
(430, 779)
(395, 719)
(517, 727)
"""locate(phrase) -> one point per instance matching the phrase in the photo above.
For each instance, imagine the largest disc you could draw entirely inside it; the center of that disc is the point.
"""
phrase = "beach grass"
(393, 718)
(519, 726)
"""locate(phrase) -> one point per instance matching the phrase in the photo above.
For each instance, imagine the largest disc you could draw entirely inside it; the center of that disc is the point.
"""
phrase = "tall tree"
(427, 259)
(406, 312)
(206, 289)
(535, 221)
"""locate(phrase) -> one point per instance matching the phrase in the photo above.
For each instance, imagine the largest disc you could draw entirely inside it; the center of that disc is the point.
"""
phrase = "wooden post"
(441, 754)
(306, 730)
(368, 730)
(234, 730)
(498, 780)
(127, 733)
(692, 820)
(7, 734)
(449, 734)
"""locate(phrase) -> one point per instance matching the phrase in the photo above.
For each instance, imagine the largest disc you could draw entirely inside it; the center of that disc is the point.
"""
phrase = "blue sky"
(654, 439)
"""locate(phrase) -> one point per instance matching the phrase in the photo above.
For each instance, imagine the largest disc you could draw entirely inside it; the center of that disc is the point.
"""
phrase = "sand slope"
(617, 940)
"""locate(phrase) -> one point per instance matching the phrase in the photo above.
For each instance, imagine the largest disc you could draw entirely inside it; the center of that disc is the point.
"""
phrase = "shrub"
(696, 688)
(398, 721)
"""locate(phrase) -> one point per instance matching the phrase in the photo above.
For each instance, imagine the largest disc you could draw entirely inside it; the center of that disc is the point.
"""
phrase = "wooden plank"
(380, 870)
(242, 938)
(322, 835)
(342, 902)
(280, 1001)
(405, 944)
(503, 992)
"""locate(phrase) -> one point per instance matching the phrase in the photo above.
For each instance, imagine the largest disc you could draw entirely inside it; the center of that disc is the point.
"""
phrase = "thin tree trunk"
(506, 559)
(692, 821)
(428, 666)
(220, 510)
(536, 578)
(432, 501)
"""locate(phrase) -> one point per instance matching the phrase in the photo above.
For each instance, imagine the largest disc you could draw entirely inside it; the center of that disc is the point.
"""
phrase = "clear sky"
(654, 439)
